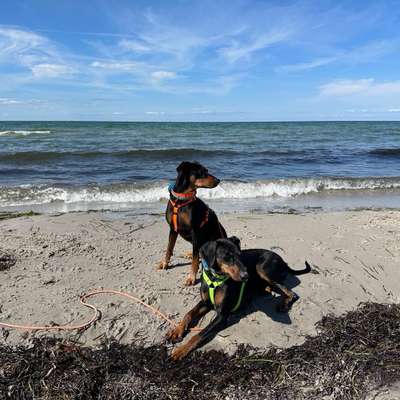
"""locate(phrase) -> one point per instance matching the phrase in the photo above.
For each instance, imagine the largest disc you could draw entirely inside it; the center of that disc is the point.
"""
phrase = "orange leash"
(95, 315)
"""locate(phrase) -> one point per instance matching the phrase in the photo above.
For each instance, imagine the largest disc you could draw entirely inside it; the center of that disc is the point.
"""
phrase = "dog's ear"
(183, 178)
(235, 240)
(183, 166)
(207, 252)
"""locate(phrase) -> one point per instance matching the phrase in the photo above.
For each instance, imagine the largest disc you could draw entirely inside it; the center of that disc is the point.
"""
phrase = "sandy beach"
(355, 256)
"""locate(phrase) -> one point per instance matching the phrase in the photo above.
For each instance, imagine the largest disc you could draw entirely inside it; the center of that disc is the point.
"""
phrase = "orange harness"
(176, 207)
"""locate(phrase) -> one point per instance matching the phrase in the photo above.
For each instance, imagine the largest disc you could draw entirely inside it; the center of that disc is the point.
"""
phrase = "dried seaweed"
(6, 260)
(350, 355)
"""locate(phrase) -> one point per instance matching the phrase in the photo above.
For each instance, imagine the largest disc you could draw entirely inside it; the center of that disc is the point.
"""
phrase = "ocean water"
(70, 166)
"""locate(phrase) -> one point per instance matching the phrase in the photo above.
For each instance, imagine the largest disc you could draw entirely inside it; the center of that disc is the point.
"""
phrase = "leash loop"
(95, 316)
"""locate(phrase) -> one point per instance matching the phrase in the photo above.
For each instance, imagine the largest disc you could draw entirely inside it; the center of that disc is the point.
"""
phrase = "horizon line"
(197, 121)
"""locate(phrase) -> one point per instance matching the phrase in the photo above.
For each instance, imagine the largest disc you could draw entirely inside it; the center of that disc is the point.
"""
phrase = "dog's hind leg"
(191, 278)
(289, 297)
(170, 250)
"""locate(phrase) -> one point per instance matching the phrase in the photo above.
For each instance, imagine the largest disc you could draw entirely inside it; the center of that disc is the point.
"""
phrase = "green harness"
(213, 284)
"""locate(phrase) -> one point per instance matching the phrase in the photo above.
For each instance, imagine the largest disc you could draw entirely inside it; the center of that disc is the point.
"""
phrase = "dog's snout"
(217, 181)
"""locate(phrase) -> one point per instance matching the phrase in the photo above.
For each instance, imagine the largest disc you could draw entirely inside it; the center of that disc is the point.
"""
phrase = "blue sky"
(205, 60)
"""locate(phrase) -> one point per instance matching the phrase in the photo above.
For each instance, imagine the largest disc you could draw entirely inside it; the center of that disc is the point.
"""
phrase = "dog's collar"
(218, 281)
(211, 270)
(181, 196)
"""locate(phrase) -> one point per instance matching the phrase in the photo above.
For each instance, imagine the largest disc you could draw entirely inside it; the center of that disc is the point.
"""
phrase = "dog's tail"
(306, 270)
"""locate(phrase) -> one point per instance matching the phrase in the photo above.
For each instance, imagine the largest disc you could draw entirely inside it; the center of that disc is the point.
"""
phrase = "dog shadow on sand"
(268, 304)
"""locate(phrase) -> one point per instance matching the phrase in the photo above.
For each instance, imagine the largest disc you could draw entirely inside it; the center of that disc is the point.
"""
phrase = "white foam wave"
(21, 133)
(293, 187)
(131, 194)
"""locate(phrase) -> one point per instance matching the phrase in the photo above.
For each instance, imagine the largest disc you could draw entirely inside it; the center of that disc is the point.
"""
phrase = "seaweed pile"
(350, 355)
(6, 260)
(11, 214)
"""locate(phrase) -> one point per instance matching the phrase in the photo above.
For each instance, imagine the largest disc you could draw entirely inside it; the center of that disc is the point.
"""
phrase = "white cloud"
(14, 42)
(13, 102)
(115, 66)
(359, 86)
(156, 38)
(219, 86)
(161, 75)
(385, 88)
(31, 51)
(238, 50)
(155, 112)
(362, 110)
(394, 110)
(345, 87)
(9, 101)
(357, 55)
(134, 45)
(307, 65)
(24, 47)
(50, 70)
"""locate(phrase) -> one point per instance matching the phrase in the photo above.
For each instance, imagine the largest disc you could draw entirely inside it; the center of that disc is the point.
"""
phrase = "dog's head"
(192, 175)
(223, 256)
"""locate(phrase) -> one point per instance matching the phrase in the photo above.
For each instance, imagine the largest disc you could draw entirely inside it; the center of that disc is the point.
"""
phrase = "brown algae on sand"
(10, 214)
(351, 355)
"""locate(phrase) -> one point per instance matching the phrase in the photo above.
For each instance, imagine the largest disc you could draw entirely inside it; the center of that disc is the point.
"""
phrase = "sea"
(54, 167)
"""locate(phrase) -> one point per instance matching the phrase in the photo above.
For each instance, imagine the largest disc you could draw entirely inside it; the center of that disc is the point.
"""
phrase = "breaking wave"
(21, 133)
(125, 194)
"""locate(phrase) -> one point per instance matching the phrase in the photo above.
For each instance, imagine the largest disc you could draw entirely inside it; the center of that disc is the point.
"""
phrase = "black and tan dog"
(189, 216)
(229, 274)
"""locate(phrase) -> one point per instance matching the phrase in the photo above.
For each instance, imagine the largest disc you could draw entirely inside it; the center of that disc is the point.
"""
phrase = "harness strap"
(212, 286)
(239, 302)
(176, 207)
(175, 210)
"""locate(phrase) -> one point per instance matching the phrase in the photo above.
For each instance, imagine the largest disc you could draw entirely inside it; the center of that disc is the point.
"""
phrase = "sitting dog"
(189, 216)
(228, 274)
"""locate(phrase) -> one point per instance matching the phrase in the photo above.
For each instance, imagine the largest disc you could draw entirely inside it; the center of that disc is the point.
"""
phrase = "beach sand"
(356, 256)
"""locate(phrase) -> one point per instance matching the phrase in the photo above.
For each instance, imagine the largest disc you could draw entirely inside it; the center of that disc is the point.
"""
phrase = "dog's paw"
(291, 302)
(188, 255)
(179, 353)
(285, 306)
(174, 335)
(268, 290)
(190, 280)
(162, 265)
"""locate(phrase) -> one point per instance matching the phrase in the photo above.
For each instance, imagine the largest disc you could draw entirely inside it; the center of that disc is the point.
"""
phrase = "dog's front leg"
(170, 250)
(204, 336)
(191, 319)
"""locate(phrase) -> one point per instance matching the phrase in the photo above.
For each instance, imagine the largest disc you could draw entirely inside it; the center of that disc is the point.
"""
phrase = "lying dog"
(228, 274)
(190, 217)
